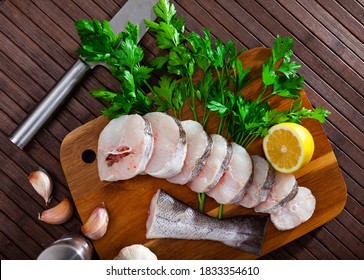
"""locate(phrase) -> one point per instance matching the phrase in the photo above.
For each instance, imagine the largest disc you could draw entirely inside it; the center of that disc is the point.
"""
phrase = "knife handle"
(49, 105)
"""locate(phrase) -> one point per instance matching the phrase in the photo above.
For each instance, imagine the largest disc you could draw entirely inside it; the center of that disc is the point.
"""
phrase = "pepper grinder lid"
(71, 246)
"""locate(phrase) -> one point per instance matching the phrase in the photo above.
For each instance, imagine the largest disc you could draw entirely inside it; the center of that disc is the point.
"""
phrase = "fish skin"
(200, 162)
(263, 180)
(171, 218)
(199, 146)
(176, 155)
(271, 177)
(236, 179)
(149, 133)
(284, 189)
(200, 182)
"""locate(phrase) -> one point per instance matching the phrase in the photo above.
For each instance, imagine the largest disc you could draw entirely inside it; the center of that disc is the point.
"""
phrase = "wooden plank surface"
(38, 43)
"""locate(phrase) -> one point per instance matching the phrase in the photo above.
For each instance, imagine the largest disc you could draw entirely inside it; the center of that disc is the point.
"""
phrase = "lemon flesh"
(288, 147)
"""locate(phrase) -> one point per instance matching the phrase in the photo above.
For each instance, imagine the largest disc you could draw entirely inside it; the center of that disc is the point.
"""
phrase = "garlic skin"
(42, 183)
(96, 225)
(59, 214)
(136, 252)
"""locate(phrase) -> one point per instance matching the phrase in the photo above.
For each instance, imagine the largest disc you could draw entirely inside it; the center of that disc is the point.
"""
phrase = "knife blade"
(134, 11)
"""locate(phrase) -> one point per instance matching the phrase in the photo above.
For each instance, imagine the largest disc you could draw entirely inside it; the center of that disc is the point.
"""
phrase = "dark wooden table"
(37, 45)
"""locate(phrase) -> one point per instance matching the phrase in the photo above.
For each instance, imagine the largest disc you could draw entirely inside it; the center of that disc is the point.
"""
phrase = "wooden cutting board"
(128, 201)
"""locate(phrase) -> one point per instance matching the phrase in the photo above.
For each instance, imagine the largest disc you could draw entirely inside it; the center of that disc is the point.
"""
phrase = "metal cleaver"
(134, 11)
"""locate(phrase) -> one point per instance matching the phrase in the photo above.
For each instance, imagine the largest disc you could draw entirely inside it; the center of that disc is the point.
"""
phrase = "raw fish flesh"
(236, 179)
(199, 145)
(171, 218)
(284, 189)
(170, 146)
(215, 166)
(124, 148)
(183, 153)
(263, 180)
(296, 211)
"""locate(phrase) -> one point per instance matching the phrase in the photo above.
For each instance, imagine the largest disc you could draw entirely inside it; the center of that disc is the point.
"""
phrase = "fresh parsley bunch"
(221, 89)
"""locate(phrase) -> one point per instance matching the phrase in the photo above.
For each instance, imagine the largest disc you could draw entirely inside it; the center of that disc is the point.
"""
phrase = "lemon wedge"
(288, 147)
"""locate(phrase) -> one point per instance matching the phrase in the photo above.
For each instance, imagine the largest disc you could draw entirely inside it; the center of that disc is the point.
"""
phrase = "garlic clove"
(96, 225)
(136, 252)
(59, 214)
(42, 183)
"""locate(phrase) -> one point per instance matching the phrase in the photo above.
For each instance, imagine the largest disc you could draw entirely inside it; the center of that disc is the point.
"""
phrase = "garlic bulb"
(59, 214)
(136, 252)
(96, 225)
(42, 183)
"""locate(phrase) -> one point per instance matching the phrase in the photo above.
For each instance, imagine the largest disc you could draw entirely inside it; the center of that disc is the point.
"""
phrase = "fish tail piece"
(249, 232)
(171, 218)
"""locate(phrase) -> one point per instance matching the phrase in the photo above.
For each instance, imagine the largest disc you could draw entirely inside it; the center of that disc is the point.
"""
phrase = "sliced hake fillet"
(199, 146)
(263, 180)
(124, 148)
(215, 166)
(170, 146)
(296, 211)
(236, 178)
(284, 189)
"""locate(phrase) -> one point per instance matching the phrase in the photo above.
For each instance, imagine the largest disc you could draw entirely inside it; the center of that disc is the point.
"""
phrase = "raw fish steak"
(124, 148)
(236, 179)
(263, 180)
(170, 145)
(296, 211)
(199, 146)
(284, 189)
(215, 166)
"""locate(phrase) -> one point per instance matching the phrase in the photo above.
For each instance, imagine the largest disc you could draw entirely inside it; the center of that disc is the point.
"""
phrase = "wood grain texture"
(38, 42)
(128, 201)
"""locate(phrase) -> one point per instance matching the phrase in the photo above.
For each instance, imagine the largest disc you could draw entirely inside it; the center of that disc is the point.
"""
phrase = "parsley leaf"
(169, 30)
(283, 77)
(201, 49)
(122, 55)
(97, 39)
(103, 94)
(165, 11)
(166, 95)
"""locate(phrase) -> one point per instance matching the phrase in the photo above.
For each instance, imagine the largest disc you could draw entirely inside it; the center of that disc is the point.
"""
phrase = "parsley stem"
(201, 201)
(261, 94)
(243, 138)
(194, 106)
(221, 208)
(253, 138)
(148, 86)
(221, 125)
(227, 125)
(192, 101)
(206, 114)
(248, 140)
(265, 97)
